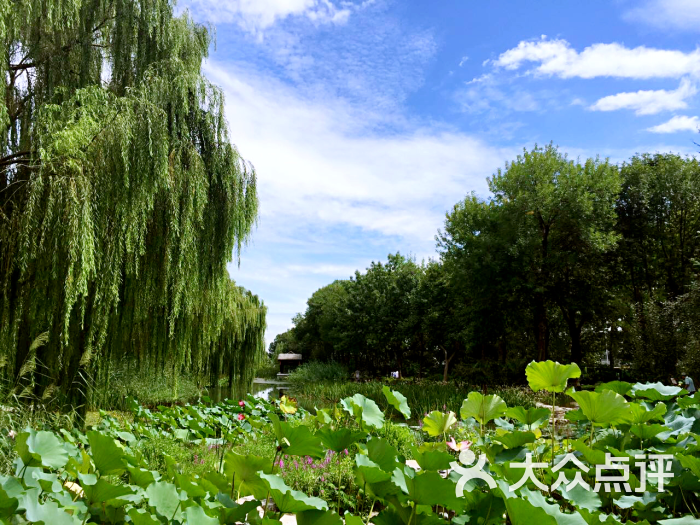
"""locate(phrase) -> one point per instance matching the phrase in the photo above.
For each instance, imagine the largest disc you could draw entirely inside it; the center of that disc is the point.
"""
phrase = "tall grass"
(422, 397)
(315, 372)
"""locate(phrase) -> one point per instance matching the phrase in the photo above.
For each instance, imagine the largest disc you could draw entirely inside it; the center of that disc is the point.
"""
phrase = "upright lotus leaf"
(532, 417)
(429, 459)
(288, 500)
(320, 517)
(142, 517)
(366, 411)
(657, 391)
(437, 423)
(103, 491)
(482, 408)
(398, 401)
(42, 448)
(340, 439)
(195, 515)
(602, 408)
(382, 453)
(243, 471)
(581, 498)
(522, 512)
(8, 504)
(619, 387)
(553, 510)
(550, 376)
(352, 520)
(47, 512)
(646, 431)
(297, 441)
(107, 454)
(689, 401)
(369, 471)
(515, 439)
(430, 488)
(233, 512)
(162, 496)
(638, 414)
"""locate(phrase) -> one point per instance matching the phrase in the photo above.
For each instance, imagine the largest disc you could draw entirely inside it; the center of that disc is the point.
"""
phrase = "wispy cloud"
(558, 58)
(667, 14)
(648, 102)
(676, 124)
(257, 15)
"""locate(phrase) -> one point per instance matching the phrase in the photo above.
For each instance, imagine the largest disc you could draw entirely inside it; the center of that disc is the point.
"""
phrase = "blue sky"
(367, 120)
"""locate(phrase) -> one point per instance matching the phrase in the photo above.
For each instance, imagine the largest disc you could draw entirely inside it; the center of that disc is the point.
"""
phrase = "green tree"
(121, 198)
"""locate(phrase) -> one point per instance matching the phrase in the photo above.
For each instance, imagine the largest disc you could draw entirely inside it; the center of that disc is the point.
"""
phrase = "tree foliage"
(121, 197)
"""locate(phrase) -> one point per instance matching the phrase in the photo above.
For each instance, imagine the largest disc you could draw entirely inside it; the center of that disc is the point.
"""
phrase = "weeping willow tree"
(121, 199)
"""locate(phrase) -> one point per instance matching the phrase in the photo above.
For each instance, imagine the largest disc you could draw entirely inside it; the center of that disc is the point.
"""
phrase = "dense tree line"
(576, 261)
(121, 200)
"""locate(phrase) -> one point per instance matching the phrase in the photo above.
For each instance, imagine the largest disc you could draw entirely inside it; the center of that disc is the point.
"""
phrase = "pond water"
(267, 390)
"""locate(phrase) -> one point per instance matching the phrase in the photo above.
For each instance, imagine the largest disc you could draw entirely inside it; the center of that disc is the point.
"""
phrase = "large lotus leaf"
(646, 431)
(678, 424)
(430, 488)
(657, 391)
(163, 497)
(550, 376)
(515, 439)
(352, 520)
(619, 387)
(340, 439)
(369, 471)
(366, 411)
(288, 500)
(382, 453)
(690, 462)
(108, 455)
(398, 401)
(41, 449)
(482, 408)
(142, 477)
(638, 413)
(103, 491)
(47, 513)
(437, 423)
(297, 441)
(532, 417)
(600, 518)
(561, 518)
(689, 401)
(246, 469)
(483, 508)
(581, 498)
(432, 459)
(190, 485)
(233, 512)
(602, 408)
(195, 515)
(8, 504)
(319, 517)
(522, 512)
(142, 517)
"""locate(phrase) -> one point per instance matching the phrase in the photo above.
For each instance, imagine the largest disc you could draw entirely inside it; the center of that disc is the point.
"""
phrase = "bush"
(268, 369)
(316, 371)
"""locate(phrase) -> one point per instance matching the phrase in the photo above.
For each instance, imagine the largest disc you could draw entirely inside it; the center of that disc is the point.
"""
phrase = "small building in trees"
(288, 362)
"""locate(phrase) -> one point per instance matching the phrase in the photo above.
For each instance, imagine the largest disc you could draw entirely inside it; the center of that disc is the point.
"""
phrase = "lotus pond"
(629, 454)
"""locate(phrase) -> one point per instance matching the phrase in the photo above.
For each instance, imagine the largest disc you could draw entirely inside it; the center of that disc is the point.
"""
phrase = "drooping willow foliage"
(121, 199)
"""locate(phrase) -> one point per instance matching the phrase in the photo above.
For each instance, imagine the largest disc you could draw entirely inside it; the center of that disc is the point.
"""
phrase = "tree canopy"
(579, 261)
(121, 198)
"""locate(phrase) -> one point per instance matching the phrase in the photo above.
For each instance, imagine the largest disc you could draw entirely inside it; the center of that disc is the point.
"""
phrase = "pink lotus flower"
(458, 447)
(241, 417)
(241, 403)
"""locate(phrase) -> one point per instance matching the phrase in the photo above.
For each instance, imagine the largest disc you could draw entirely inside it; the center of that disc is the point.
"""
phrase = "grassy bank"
(422, 396)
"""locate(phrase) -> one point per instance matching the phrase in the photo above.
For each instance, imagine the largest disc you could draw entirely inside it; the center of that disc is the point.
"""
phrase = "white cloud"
(558, 58)
(255, 15)
(667, 14)
(676, 124)
(648, 102)
(463, 60)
